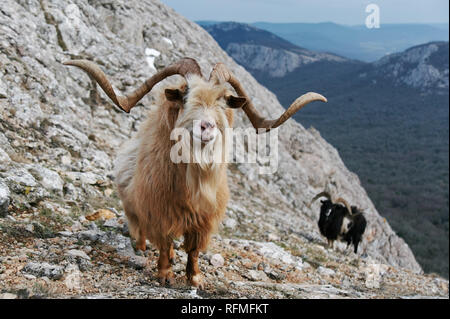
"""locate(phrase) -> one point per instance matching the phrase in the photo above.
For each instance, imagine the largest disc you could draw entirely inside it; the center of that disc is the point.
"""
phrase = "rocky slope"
(260, 50)
(58, 138)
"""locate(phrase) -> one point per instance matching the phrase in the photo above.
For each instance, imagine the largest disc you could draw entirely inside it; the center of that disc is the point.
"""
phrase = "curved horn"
(220, 73)
(343, 201)
(324, 193)
(126, 103)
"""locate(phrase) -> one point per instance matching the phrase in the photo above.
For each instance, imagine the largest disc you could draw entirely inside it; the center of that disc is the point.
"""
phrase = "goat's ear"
(173, 95)
(172, 114)
(235, 102)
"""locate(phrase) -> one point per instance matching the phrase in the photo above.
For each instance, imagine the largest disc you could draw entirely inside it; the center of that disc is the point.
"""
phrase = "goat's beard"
(207, 156)
(203, 165)
(202, 187)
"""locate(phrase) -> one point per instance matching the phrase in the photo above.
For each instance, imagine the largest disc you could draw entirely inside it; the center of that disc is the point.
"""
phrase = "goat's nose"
(206, 125)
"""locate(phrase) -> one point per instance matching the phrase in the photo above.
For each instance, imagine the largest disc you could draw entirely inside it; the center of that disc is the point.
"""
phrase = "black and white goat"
(340, 222)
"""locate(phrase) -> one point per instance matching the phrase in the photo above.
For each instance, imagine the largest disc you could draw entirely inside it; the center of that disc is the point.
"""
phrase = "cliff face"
(424, 67)
(59, 137)
(259, 50)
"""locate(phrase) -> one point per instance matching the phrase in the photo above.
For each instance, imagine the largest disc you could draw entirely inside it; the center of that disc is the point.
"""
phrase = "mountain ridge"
(354, 42)
(261, 50)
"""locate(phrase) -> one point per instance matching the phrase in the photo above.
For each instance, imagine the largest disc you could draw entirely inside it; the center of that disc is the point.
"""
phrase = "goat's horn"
(220, 73)
(126, 103)
(325, 194)
(343, 201)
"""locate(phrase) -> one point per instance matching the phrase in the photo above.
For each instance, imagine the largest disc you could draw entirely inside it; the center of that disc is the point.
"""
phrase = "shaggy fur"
(336, 223)
(165, 196)
(333, 221)
(356, 229)
(164, 200)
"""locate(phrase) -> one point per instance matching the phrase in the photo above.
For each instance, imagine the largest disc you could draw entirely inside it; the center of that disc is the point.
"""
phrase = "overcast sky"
(349, 12)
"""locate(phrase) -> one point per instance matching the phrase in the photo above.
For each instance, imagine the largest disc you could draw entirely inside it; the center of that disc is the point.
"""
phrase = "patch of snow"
(151, 55)
(152, 52)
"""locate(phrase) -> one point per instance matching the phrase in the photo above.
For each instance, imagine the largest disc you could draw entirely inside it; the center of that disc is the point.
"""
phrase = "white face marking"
(345, 225)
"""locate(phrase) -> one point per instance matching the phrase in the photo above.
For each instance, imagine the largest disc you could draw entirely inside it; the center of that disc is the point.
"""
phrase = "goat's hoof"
(197, 281)
(166, 278)
(141, 247)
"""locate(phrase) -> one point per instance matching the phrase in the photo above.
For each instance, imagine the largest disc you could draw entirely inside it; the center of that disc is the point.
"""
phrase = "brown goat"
(163, 199)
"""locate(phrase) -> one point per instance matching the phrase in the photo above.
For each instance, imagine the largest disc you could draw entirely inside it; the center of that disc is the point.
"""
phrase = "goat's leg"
(135, 229)
(140, 243)
(355, 244)
(193, 274)
(172, 255)
(165, 274)
(330, 243)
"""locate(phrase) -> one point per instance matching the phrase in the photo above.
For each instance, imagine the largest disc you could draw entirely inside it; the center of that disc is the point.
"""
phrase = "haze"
(349, 12)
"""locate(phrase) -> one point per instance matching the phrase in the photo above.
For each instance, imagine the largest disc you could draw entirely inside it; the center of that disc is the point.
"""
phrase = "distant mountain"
(423, 66)
(355, 42)
(267, 55)
(260, 50)
(389, 120)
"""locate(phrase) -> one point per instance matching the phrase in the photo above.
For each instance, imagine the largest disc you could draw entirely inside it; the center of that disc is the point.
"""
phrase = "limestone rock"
(72, 278)
(4, 157)
(44, 269)
(49, 179)
(137, 262)
(77, 253)
(4, 198)
(217, 260)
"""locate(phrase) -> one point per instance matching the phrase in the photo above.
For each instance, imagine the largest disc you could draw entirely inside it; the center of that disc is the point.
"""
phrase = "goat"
(356, 228)
(340, 222)
(162, 199)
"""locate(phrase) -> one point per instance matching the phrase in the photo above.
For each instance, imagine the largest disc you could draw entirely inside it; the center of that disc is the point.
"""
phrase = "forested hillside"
(389, 121)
